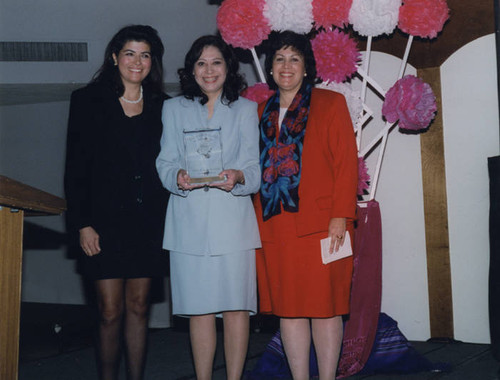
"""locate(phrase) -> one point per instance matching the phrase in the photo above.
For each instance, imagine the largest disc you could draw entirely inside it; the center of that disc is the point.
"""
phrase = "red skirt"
(292, 279)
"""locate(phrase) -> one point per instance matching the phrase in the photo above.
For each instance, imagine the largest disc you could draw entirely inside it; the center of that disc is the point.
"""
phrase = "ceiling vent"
(43, 52)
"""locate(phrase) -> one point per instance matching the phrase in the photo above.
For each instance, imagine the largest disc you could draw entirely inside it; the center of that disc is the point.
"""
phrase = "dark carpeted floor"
(57, 344)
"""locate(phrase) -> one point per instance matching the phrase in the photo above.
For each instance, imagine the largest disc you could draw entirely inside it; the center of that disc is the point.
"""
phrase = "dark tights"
(123, 300)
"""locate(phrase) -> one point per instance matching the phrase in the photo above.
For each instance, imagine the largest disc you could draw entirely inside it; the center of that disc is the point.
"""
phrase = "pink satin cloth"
(366, 291)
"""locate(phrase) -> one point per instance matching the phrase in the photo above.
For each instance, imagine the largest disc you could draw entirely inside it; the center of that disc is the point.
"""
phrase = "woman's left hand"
(336, 230)
(232, 176)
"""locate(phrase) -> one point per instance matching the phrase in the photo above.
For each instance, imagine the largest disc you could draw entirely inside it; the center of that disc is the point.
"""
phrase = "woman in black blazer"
(116, 203)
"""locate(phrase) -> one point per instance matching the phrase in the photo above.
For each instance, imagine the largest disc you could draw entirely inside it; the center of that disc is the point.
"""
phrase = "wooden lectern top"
(28, 200)
(15, 194)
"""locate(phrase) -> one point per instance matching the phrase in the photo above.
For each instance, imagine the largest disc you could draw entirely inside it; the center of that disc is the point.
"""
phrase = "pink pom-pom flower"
(363, 176)
(242, 23)
(336, 55)
(423, 18)
(259, 92)
(411, 101)
(331, 12)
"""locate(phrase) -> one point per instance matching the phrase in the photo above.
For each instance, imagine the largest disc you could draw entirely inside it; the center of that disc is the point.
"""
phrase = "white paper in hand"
(344, 251)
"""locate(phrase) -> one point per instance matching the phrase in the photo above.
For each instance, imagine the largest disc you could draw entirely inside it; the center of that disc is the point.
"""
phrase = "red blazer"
(329, 178)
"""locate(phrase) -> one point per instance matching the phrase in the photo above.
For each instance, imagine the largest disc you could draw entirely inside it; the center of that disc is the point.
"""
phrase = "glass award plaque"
(203, 155)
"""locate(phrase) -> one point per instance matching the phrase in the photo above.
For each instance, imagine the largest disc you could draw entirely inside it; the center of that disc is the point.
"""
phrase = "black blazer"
(111, 182)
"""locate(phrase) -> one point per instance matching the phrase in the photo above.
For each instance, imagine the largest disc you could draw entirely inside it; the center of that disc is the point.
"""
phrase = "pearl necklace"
(132, 101)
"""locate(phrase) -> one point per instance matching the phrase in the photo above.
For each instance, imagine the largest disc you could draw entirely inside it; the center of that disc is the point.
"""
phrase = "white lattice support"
(372, 82)
(361, 121)
(376, 175)
(376, 139)
(368, 111)
(384, 133)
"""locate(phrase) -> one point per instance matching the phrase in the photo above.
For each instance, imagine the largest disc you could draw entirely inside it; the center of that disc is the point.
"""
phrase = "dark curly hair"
(108, 73)
(299, 43)
(234, 83)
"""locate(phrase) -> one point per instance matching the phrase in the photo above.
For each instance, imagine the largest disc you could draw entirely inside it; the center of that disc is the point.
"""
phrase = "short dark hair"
(108, 72)
(234, 83)
(298, 42)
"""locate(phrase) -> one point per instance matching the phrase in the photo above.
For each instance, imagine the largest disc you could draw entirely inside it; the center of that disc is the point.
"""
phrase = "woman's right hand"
(89, 241)
(183, 179)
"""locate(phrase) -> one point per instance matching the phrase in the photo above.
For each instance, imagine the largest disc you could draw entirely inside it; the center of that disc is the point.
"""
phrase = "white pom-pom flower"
(294, 15)
(353, 98)
(374, 17)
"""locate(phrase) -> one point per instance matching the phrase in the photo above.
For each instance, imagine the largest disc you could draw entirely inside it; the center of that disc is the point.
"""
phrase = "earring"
(305, 74)
(271, 72)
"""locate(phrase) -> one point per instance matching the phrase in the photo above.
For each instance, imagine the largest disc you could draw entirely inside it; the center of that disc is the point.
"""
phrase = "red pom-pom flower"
(259, 92)
(336, 55)
(411, 101)
(423, 18)
(242, 23)
(331, 12)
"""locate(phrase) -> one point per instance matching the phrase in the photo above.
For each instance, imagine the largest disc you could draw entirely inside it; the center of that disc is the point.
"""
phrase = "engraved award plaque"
(203, 155)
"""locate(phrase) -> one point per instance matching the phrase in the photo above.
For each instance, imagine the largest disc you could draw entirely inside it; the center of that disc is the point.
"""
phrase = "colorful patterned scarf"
(281, 160)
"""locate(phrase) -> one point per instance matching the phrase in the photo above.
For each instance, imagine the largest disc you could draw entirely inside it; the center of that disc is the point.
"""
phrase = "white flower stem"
(257, 65)
(405, 57)
(366, 67)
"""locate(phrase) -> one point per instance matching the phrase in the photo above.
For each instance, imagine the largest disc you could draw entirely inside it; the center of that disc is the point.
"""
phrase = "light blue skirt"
(213, 284)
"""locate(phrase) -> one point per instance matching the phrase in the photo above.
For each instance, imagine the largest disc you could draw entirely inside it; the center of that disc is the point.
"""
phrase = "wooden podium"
(16, 200)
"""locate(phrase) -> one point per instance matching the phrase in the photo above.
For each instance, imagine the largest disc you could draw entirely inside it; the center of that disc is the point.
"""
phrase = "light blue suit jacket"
(213, 222)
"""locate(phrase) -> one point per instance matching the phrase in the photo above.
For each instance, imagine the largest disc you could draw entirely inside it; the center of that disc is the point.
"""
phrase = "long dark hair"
(234, 83)
(108, 73)
(299, 43)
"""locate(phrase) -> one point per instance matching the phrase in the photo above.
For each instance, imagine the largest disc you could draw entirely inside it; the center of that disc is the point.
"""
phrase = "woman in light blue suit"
(211, 230)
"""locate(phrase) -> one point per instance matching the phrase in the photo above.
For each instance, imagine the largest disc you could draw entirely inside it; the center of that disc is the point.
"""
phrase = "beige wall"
(471, 134)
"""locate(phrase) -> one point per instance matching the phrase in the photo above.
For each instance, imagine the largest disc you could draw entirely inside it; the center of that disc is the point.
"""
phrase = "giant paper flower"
(353, 98)
(336, 55)
(242, 24)
(423, 18)
(331, 12)
(363, 176)
(411, 101)
(259, 92)
(374, 17)
(294, 15)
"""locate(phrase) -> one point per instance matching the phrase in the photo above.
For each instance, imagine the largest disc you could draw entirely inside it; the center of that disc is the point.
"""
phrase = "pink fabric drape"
(366, 291)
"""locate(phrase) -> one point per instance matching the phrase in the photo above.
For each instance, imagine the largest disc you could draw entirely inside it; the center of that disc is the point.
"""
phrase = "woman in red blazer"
(308, 192)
